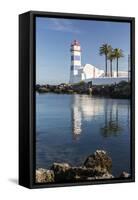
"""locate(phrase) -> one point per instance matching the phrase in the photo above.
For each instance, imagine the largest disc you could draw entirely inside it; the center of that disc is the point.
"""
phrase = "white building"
(88, 72)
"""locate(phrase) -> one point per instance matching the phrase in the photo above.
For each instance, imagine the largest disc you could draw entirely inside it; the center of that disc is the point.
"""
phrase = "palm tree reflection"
(104, 112)
(111, 126)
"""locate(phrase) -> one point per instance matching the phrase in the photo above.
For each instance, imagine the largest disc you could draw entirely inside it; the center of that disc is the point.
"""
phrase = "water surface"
(71, 127)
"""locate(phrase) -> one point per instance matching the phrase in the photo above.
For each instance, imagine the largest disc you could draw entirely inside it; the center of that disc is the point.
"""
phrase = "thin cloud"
(63, 25)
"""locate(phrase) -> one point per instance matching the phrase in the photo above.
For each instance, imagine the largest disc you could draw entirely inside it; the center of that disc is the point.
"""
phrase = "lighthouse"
(87, 72)
(75, 62)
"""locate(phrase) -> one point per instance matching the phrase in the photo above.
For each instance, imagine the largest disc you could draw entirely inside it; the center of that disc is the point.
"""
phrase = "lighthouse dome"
(75, 43)
(75, 46)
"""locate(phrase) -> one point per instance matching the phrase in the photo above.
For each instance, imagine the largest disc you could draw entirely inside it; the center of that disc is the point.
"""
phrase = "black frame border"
(31, 144)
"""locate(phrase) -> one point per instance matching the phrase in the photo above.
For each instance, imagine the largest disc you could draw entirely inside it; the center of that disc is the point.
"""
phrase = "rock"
(104, 176)
(96, 166)
(60, 171)
(100, 162)
(60, 166)
(84, 174)
(124, 175)
(44, 176)
(65, 173)
(79, 173)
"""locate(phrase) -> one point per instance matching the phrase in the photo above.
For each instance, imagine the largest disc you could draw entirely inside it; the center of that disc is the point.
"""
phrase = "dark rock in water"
(60, 166)
(96, 166)
(84, 174)
(72, 174)
(124, 175)
(60, 171)
(44, 176)
(100, 162)
(104, 176)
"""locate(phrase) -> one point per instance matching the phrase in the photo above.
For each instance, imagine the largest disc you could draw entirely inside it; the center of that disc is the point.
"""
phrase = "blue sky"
(53, 39)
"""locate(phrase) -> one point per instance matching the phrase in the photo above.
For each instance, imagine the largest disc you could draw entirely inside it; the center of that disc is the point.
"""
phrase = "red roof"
(75, 42)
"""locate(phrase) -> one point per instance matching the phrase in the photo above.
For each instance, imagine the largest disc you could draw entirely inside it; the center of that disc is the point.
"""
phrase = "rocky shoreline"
(96, 166)
(120, 90)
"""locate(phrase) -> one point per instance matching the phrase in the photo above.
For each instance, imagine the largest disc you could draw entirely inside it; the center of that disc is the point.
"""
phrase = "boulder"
(78, 173)
(60, 166)
(100, 162)
(96, 166)
(104, 176)
(65, 173)
(85, 174)
(124, 175)
(60, 171)
(44, 176)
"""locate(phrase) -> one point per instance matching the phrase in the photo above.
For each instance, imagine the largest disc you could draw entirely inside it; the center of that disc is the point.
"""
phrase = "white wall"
(107, 80)
(9, 11)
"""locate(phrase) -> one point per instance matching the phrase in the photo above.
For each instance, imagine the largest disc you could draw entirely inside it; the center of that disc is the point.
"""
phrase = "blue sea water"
(71, 127)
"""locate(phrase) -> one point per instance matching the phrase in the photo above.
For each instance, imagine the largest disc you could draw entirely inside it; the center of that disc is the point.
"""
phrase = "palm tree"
(118, 54)
(104, 50)
(111, 57)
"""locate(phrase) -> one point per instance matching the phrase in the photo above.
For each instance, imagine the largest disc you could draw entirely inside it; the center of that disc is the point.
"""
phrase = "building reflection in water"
(76, 115)
(105, 112)
(84, 108)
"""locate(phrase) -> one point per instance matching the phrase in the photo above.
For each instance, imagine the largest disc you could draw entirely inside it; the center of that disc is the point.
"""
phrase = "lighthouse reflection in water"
(85, 108)
(71, 127)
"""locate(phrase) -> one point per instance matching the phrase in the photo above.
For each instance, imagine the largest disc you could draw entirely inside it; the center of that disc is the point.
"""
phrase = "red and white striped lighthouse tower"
(75, 61)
